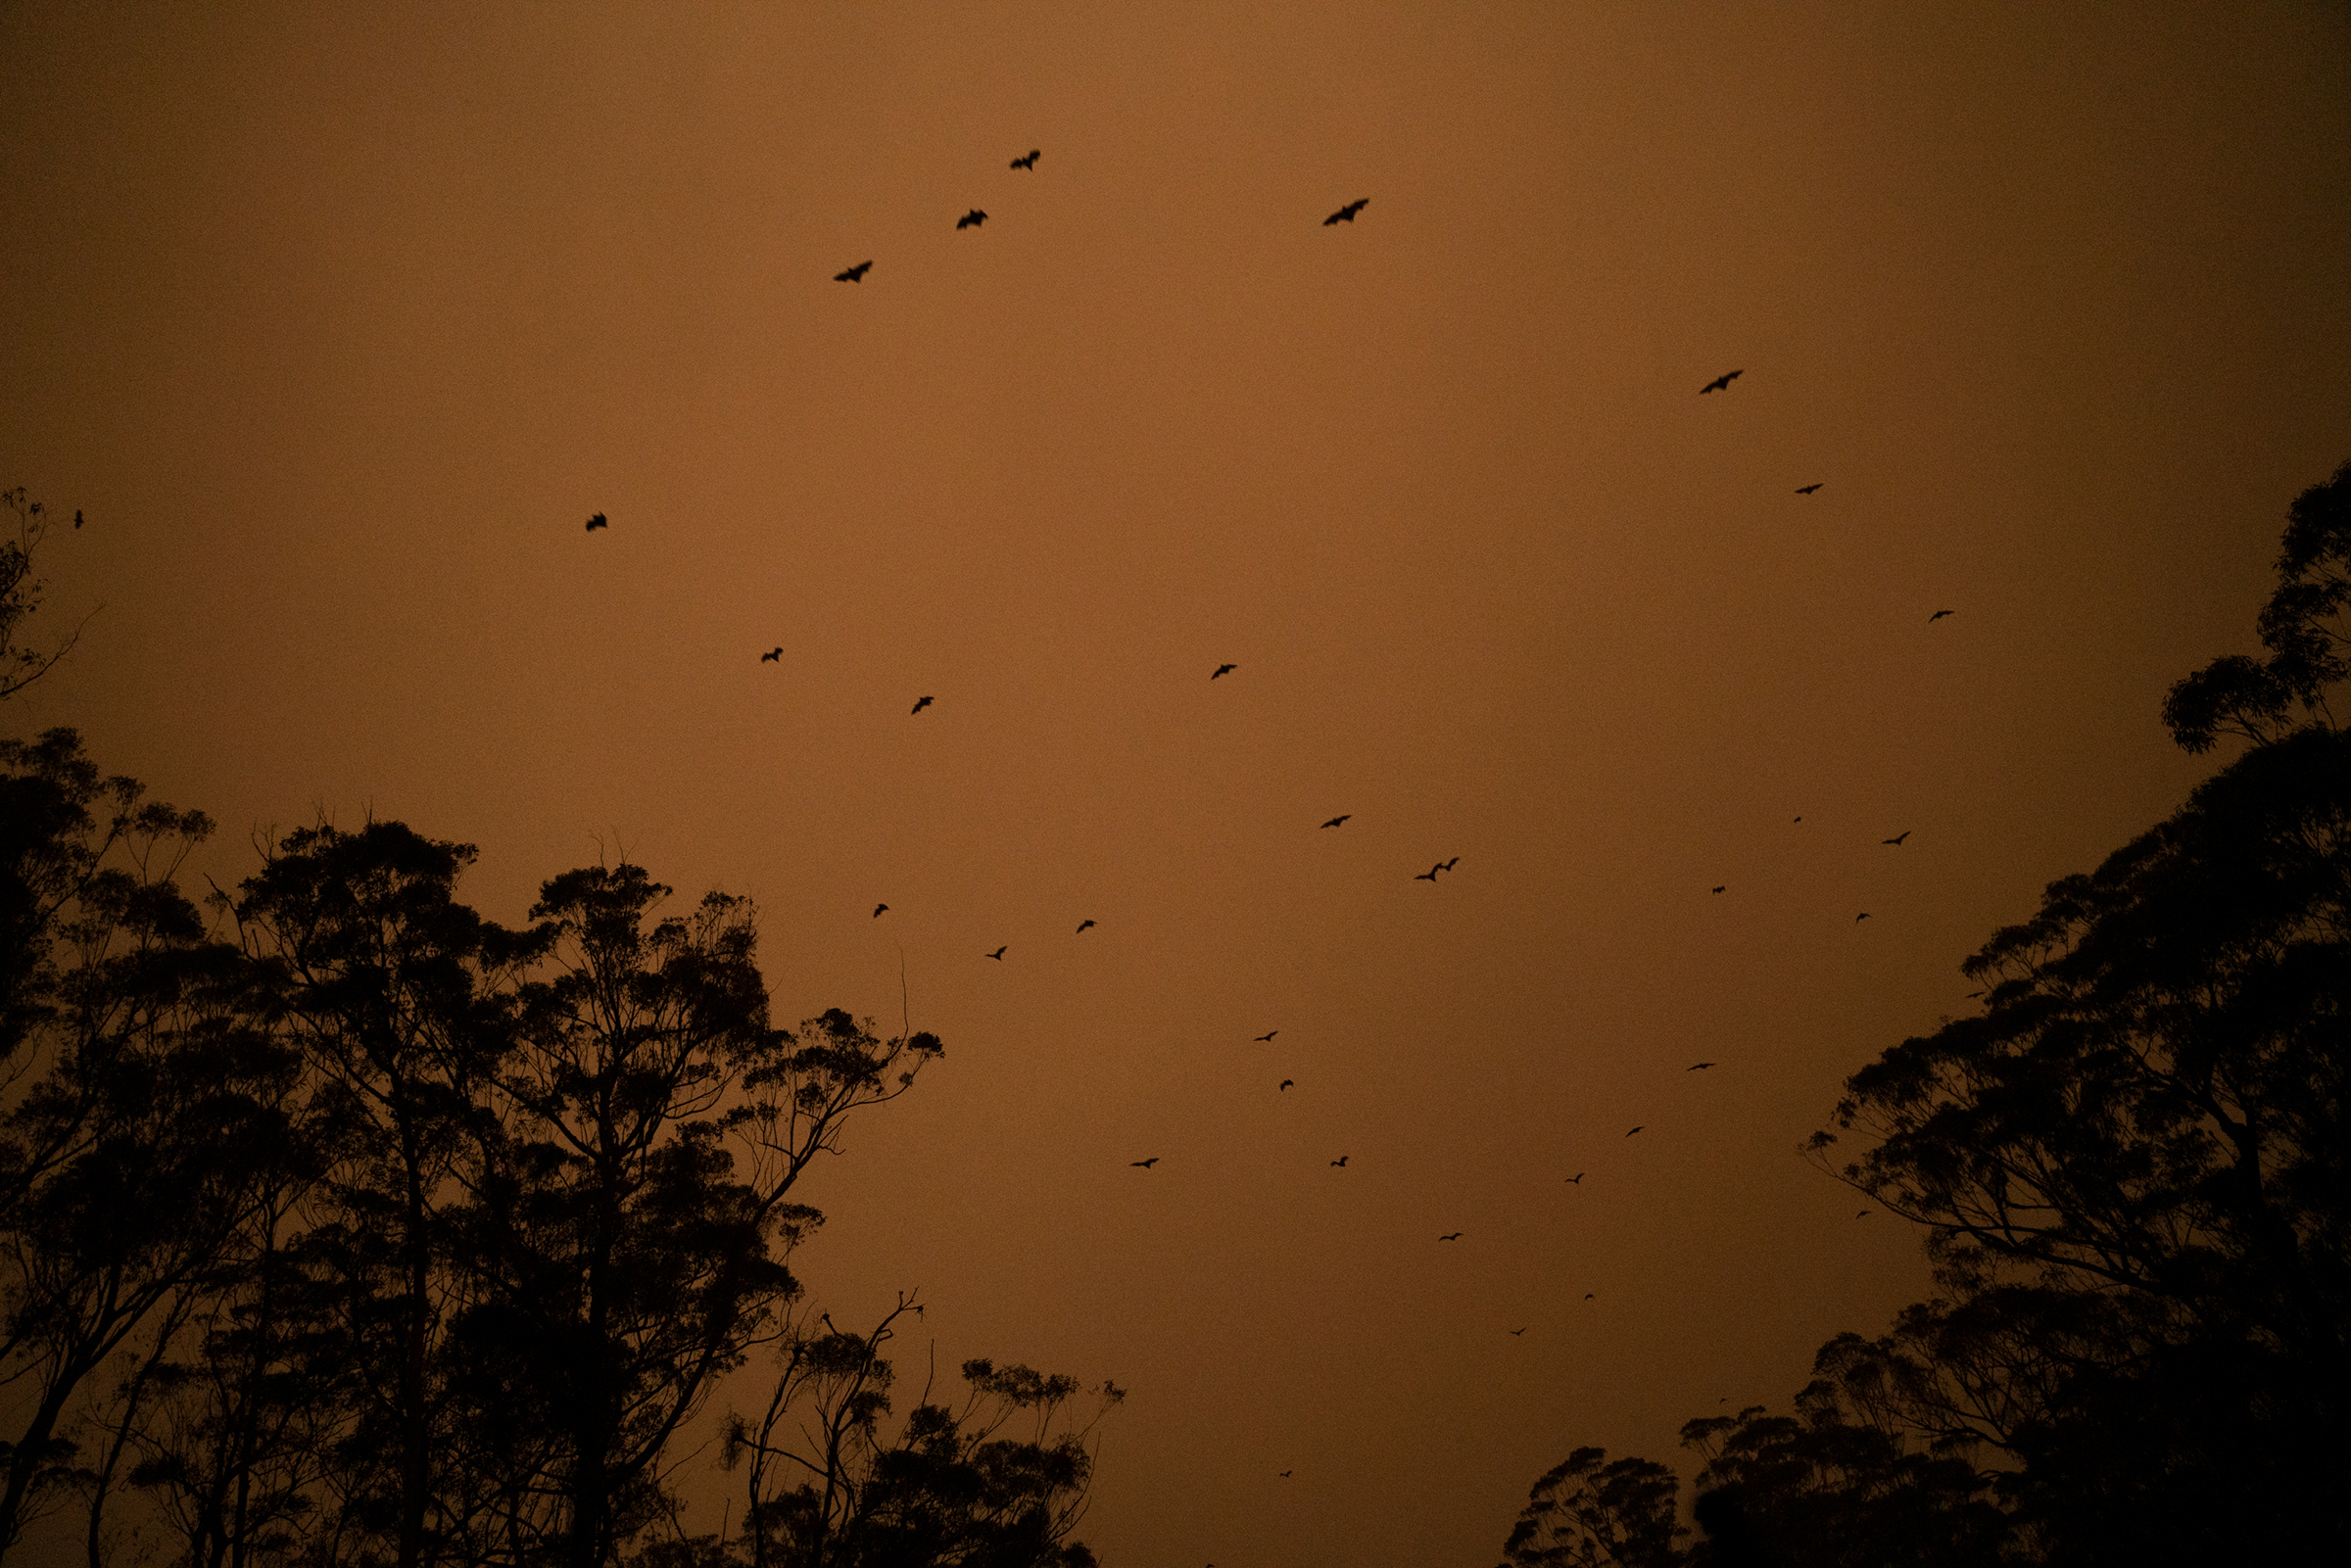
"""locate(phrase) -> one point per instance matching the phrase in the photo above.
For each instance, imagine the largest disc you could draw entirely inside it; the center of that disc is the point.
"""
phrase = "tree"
(1591, 1511)
(21, 593)
(402, 1001)
(828, 1486)
(2134, 1176)
(630, 1255)
(146, 1095)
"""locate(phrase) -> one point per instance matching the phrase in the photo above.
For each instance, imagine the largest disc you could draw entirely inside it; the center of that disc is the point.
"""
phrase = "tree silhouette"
(629, 1264)
(2299, 626)
(401, 999)
(21, 592)
(1588, 1511)
(2135, 1175)
(830, 1487)
(144, 1100)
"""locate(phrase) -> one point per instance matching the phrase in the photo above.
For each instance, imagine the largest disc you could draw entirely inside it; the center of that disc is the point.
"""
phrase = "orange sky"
(337, 328)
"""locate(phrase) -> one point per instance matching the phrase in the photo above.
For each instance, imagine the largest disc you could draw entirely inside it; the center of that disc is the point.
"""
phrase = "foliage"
(2132, 1169)
(366, 1230)
(829, 1485)
(1588, 1511)
(21, 592)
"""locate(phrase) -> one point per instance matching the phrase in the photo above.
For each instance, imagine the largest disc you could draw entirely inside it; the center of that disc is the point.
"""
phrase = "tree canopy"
(2130, 1170)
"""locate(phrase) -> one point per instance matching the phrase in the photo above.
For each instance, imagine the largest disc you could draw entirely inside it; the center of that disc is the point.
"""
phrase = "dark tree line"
(2133, 1171)
(340, 1224)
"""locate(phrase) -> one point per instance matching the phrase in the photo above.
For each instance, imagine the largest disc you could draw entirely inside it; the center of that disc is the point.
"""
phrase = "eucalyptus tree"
(403, 1002)
(1000, 1480)
(635, 1211)
(146, 1100)
(2132, 1170)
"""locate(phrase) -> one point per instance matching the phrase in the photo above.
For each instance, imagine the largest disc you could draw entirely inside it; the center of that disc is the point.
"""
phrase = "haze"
(338, 325)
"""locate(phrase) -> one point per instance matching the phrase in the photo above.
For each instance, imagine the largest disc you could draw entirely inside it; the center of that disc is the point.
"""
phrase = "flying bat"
(596, 522)
(1698, 1067)
(1456, 1236)
(1807, 489)
(1081, 925)
(1637, 1130)
(1863, 1215)
(1896, 840)
(1285, 1475)
(1268, 1035)
(1514, 1333)
(1587, 1295)
(1577, 1179)
(997, 955)
(1719, 888)
(772, 657)
(1865, 915)
(877, 909)
(855, 274)
(1224, 669)
(1144, 1164)
(1335, 821)
(1029, 162)
(971, 219)
(1284, 1083)
(1341, 1161)
(1720, 383)
(920, 703)
(1345, 214)
(1430, 875)
(1938, 615)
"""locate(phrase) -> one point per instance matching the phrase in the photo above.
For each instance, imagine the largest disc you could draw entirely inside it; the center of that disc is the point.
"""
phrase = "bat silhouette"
(772, 657)
(596, 522)
(855, 274)
(1341, 1161)
(1285, 1475)
(1938, 615)
(1896, 840)
(997, 955)
(1144, 1164)
(1345, 214)
(920, 703)
(1577, 1179)
(1865, 915)
(877, 909)
(1335, 821)
(1863, 1215)
(1720, 383)
(1081, 925)
(1284, 1083)
(1430, 875)
(1268, 1035)
(1456, 1236)
(1698, 1067)
(1719, 888)
(1807, 489)
(1514, 1333)
(1587, 1295)
(1025, 162)
(971, 219)
(1224, 669)
(1637, 1130)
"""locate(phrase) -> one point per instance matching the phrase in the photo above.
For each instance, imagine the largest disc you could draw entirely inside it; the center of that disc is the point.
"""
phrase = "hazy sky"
(338, 322)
